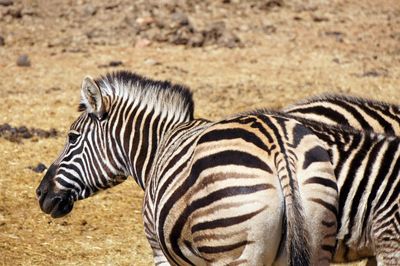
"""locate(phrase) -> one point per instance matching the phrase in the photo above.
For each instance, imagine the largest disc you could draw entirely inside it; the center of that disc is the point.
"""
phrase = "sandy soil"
(264, 54)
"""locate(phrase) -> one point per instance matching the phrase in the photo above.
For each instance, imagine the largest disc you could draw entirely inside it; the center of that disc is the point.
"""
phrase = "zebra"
(359, 113)
(367, 168)
(243, 190)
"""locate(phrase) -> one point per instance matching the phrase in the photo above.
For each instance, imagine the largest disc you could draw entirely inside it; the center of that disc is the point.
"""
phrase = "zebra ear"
(92, 98)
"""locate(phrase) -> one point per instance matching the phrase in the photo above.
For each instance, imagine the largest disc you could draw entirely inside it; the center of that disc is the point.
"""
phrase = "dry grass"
(297, 61)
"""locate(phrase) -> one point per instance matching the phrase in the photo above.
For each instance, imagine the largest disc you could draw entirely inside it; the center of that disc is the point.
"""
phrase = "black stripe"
(388, 128)
(233, 133)
(299, 132)
(331, 114)
(128, 129)
(328, 224)
(64, 183)
(144, 146)
(327, 205)
(75, 179)
(330, 249)
(389, 214)
(354, 112)
(316, 154)
(220, 249)
(225, 222)
(135, 144)
(253, 122)
(322, 181)
(153, 147)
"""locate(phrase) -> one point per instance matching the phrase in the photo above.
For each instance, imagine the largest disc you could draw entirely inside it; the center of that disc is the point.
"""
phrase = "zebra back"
(359, 113)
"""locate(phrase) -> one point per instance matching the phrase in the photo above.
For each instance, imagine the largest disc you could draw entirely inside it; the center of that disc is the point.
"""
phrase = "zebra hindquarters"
(242, 224)
(319, 196)
(236, 206)
(241, 221)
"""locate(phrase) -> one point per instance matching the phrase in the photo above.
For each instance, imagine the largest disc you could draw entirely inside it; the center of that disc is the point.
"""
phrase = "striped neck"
(140, 113)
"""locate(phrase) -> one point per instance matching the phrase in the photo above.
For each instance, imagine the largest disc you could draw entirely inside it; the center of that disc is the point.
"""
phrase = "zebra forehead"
(133, 86)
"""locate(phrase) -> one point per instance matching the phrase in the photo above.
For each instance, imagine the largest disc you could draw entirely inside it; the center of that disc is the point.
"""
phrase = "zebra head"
(84, 166)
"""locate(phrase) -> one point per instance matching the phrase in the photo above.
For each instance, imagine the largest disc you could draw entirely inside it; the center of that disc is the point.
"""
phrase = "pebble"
(197, 40)
(115, 63)
(2, 42)
(39, 168)
(89, 10)
(141, 43)
(23, 61)
(142, 21)
(151, 62)
(179, 19)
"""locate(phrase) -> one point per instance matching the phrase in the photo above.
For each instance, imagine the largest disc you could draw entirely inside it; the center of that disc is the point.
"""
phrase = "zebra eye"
(73, 137)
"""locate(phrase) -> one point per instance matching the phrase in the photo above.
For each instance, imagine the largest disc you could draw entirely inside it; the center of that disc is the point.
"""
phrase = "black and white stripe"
(359, 113)
(244, 190)
(367, 167)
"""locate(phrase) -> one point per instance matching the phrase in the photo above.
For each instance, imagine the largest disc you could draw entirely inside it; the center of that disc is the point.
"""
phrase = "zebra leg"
(158, 255)
(159, 258)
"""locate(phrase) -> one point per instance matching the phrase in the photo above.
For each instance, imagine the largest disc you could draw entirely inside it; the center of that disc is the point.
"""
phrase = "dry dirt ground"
(235, 55)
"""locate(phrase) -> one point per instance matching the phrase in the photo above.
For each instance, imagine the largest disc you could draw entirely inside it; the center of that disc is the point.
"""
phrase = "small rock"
(115, 63)
(15, 13)
(2, 42)
(269, 29)
(151, 62)
(244, 28)
(336, 34)
(141, 43)
(6, 2)
(379, 72)
(268, 5)
(181, 36)
(197, 40)
(23, 61)
(4, 128)
(24, 132)
(142, 21)
(89, 10)
(39, 168)
(28, 11)
(229, 39)
(320, 19)
(179, 19)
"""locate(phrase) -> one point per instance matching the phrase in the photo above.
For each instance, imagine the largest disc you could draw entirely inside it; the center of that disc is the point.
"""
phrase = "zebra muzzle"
(57, 205)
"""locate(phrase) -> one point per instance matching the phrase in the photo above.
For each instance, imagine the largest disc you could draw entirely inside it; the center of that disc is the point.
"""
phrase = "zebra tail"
(297, 244)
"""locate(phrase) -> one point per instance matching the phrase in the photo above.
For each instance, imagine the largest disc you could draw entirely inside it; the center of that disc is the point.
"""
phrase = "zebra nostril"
(38, 193)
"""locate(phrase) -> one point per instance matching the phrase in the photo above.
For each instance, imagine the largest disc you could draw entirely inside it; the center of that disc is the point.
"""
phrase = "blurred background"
(234, 55)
